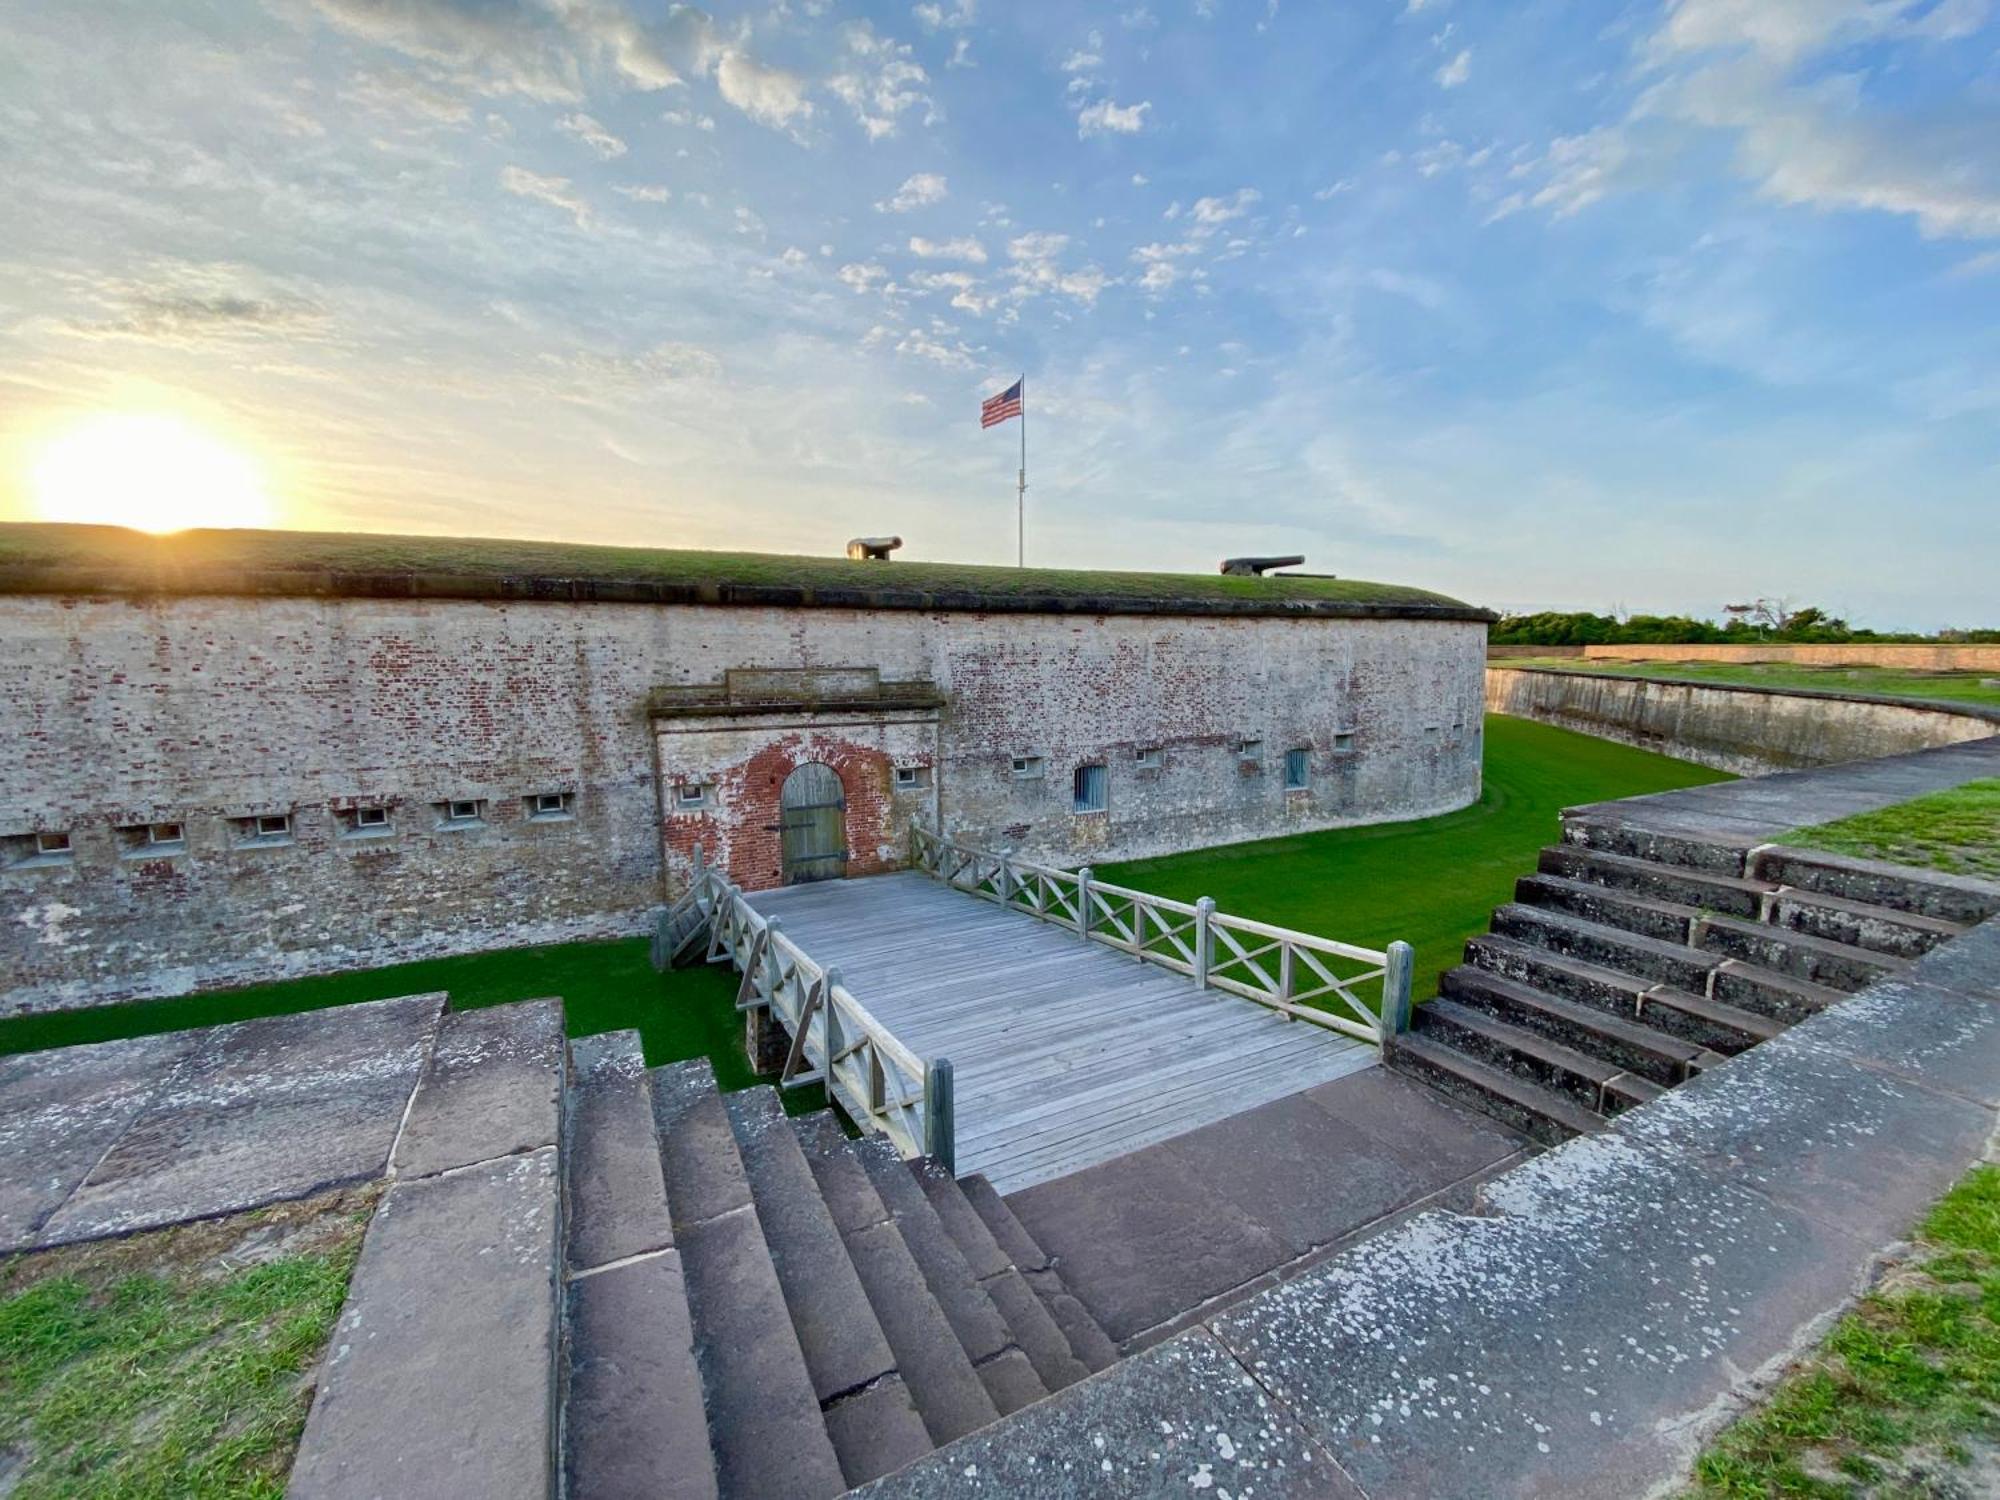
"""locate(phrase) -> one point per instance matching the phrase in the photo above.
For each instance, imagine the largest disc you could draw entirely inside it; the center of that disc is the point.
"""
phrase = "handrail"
(1296, 973)
(835, 1039)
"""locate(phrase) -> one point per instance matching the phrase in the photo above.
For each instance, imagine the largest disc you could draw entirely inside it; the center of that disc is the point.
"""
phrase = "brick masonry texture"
(118, 712)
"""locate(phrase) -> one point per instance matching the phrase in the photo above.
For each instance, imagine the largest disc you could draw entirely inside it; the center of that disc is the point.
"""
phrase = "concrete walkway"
(1602, 1309)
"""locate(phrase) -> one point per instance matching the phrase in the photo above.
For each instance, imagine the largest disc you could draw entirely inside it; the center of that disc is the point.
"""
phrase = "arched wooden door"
(813, 822)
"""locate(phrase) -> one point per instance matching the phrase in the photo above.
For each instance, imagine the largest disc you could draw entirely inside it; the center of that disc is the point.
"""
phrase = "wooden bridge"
(1053, 1024)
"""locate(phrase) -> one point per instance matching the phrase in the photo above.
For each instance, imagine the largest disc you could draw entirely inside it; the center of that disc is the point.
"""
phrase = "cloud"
(1106, 118)
(918, 191)
(936, 17)
(643, 192)
(862, 275)
(1036, 269)
(1081, 62)
(542, 51)
(963, 248)
(1455, 72)
(185, 318)
(592, 134)
(880, 81)
(1214, 212)
(592, 375)
(963, 285)
(554, 191)
(771, 96)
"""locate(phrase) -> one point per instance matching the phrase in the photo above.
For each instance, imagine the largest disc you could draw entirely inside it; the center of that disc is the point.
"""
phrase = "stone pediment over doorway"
(779, 690)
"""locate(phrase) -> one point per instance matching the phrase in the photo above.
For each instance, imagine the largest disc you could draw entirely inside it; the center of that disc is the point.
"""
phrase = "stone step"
(949, 1394)
(1664, 921)
(634, 1425)
(1930, 893)
(493, 1088)
(1768, 993)
(1880, 929)
(1707, 1023)
(869, 1414)
(1733, 895)
(1689, 851)
(1004, 1368)
(1634, 1048)
(1087, 1339)
(1838, 966)
(414, 1314)
(1537, 1112)
(1034, 1327)
(1590, 1081)
(766, 1431)
(1673, 964)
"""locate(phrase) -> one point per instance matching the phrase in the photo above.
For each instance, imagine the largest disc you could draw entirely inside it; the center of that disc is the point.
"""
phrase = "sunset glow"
(151, 471)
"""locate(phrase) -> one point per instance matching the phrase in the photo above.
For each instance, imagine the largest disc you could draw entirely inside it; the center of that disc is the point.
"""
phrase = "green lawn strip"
(604, 987)
(155, 1368)
(1957, 831)
(1896, 1399)
(1433, 882)
(1878, 682)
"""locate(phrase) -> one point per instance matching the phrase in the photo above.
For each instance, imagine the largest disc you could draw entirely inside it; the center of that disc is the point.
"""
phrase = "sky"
(1645, 306)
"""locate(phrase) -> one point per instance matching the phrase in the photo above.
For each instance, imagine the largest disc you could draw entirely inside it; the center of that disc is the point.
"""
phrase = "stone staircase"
(1633, 960)
(675, 1293)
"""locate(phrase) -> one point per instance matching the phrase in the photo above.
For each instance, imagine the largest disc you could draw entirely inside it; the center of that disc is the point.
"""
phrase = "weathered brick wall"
(116, 712)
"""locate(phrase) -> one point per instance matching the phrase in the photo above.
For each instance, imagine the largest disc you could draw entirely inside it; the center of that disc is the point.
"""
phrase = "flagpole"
(1021, 486)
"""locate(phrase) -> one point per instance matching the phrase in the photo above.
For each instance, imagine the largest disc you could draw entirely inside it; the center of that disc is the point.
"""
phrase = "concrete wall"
(1918, 658)
(1751, 731)
(204, 711)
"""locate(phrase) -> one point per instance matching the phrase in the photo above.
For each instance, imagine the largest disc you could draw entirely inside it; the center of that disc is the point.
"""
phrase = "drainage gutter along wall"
(1748, 730)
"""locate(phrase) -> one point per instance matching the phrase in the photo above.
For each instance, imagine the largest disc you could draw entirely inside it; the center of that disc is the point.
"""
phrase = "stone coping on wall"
(68, 560)
(1835, 695)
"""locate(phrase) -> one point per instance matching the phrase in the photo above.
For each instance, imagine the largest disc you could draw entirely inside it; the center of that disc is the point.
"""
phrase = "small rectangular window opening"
(264, 829)
(1093, 787)
(912, 778)
(1028, 767)
(1298, 769)
(1146, 757)
(463, 812)
(52, 843)
(691, 794)
(1343, 744)
(144, 840)
(1250, 749)
(166, 833)
(545, 806)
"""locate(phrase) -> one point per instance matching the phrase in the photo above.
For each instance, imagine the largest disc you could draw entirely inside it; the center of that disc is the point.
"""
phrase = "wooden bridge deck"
(1065, 1053)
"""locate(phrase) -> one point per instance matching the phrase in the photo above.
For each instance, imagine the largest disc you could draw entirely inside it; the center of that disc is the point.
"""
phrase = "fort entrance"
(813, 825)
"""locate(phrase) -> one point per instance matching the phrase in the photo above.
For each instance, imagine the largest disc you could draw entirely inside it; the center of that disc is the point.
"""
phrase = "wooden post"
(829, 1033)
(1396, 976)
(1204, 940)
(940, 1115)
(1083, 902)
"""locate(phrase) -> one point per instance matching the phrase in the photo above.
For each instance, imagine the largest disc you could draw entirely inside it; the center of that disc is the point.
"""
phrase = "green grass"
(1956, 831)
(125, 1374)
(1879, 682)
(39, 545)
(1905, 1390)
(1434, 882)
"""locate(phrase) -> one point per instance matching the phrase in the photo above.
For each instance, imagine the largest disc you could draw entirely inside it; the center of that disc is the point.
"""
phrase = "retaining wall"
(1748, 730)
(1915, 658)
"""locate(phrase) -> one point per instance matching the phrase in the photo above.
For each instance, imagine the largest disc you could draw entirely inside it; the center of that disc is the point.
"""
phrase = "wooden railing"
(1308, 978)
(880, 1082)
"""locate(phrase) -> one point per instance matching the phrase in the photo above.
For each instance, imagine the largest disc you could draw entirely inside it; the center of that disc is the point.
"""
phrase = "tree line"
(1742, 624)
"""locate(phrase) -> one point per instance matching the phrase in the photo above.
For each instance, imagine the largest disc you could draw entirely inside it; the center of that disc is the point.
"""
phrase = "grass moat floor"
(1432, 882)
(1956, 831)
(1903, 1398)
(171, 1364)
(1980, 688)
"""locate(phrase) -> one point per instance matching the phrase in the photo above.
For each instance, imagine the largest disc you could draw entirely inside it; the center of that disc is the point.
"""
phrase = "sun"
(151, 471)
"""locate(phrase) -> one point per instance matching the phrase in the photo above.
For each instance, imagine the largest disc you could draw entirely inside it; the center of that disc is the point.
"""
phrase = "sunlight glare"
(150, 471)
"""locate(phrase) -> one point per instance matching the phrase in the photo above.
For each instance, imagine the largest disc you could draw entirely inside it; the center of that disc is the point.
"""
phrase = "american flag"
(997, 409)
